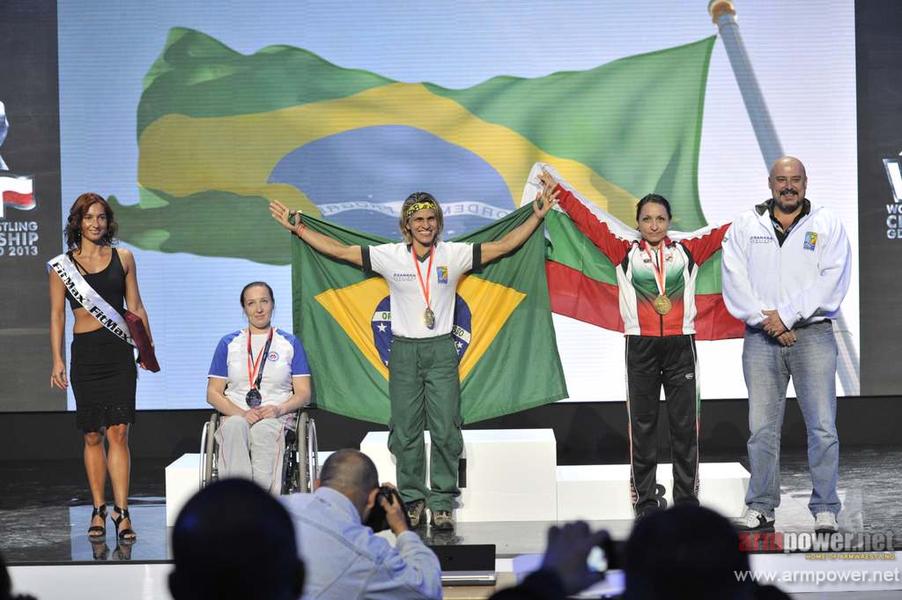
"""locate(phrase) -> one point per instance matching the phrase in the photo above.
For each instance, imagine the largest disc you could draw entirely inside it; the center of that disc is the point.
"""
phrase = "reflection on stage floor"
(45, 512)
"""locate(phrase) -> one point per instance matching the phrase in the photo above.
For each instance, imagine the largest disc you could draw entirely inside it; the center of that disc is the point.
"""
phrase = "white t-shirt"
(286, 359)
(395, 263)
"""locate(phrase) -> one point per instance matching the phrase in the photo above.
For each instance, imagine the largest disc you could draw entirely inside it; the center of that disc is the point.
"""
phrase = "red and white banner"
(17, 192)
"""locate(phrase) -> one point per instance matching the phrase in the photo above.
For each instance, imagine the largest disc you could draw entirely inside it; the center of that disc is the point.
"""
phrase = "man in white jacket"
(786, 267)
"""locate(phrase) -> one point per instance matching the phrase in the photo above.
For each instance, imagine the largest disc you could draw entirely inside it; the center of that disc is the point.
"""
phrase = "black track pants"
(650, 363)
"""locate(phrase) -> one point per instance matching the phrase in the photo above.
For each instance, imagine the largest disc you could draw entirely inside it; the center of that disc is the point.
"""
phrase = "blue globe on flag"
(359, 179)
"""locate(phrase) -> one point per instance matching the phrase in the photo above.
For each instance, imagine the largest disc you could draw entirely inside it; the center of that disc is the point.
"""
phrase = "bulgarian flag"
(582, 282)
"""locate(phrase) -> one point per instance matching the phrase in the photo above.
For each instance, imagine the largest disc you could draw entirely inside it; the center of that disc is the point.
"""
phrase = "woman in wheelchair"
(258, 378)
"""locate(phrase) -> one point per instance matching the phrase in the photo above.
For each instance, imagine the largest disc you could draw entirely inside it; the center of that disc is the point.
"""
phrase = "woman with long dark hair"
(99, 281)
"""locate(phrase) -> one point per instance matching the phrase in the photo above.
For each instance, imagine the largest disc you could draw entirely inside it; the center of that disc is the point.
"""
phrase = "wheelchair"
(300, 462)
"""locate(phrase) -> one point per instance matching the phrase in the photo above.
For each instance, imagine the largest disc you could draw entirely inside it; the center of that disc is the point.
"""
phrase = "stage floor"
(45, 509)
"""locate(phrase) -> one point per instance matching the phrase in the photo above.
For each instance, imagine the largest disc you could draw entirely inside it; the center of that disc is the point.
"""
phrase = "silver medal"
(429, 318)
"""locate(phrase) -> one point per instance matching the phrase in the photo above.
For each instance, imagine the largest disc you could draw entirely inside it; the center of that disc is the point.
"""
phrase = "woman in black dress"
(102, 364)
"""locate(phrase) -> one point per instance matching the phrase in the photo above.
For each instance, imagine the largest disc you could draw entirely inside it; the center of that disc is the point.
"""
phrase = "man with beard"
(786, 268)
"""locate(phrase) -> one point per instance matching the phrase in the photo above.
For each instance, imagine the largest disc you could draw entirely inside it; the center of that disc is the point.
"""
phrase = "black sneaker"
(415, 511)
(754, 520)
(644, 511)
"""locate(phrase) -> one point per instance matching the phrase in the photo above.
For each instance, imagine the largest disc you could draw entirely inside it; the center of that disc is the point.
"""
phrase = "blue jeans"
(767, 366)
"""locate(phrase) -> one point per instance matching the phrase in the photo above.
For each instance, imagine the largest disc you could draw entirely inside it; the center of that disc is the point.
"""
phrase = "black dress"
(102, 365)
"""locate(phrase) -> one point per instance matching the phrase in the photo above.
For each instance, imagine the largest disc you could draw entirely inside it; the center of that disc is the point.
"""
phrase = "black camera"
(377, 521)
(605, 556)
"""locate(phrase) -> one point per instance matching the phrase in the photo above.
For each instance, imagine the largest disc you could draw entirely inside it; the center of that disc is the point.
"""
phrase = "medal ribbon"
(416, 264)
(659, 269)
(252, 368)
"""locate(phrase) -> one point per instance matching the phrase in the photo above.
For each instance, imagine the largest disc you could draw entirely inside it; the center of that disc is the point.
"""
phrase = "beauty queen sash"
(130, 330)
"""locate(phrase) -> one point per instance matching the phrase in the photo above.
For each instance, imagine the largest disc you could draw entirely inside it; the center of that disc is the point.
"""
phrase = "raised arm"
(516, 238)
(317, 241)
(598, 232)
(704, 246)
(57, 326)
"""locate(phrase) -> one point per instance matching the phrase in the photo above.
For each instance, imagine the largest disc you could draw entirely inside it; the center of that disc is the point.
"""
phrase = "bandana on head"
(419, 206)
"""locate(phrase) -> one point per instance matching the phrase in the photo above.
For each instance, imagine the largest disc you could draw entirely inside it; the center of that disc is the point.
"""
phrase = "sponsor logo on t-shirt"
(403, 276)
(760, 239)
(272, 356)
(442, 274)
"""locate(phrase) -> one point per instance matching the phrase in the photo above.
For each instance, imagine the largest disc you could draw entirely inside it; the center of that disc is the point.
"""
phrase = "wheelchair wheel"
(290, 469)
(304, 483)
(312, 469)
(300, 465)
(208, 461)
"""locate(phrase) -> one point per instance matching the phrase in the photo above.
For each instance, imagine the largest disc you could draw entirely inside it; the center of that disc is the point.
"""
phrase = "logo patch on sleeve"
(810, 240)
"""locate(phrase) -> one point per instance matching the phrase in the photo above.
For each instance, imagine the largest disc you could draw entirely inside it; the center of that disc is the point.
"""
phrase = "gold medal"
(662, 304)
(428, 315)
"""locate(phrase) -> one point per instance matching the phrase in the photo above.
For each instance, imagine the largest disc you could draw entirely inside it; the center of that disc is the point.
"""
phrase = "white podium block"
(181, 483)
(510, 474)
(594, 492)
(723, 487)
(602, 492)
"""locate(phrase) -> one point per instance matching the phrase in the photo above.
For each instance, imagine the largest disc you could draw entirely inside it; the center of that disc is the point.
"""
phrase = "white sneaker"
(754, 520)
(825, 522)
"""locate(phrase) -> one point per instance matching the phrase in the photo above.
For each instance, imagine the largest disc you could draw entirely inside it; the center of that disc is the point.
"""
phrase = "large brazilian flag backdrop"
(194, 114)
(221, 133)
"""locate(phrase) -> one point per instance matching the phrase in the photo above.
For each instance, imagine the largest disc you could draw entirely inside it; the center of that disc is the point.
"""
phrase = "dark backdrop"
(29, 89)
(878, 41)
(586, 432)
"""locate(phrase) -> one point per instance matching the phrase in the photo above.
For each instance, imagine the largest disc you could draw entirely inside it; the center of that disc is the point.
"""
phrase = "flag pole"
(723, 14)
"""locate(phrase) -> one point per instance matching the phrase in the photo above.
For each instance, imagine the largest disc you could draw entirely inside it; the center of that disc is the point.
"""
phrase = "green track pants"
(424, 388)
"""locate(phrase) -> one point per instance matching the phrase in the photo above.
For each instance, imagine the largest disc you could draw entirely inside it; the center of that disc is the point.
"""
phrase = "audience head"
(352, 473)
(234, 540)
(6, 585)
(685, 552)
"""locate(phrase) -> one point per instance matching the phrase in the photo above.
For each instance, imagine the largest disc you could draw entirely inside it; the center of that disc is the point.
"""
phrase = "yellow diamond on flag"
(353, 308)
(491, 305)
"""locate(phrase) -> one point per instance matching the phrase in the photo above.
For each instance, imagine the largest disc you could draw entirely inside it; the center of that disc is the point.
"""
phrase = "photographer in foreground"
(345, 559)
(685, 552)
